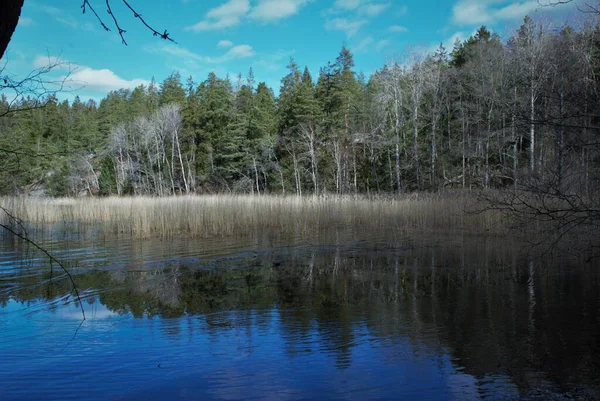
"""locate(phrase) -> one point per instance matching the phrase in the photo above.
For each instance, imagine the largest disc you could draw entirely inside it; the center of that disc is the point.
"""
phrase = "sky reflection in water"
(350, 319)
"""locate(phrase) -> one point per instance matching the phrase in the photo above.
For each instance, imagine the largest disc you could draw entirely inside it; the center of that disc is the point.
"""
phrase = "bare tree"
(38, 86)
(530, 55)
(587, 7)
(417, 81)
(308, 131)
(437, 95)
(560, 199)
(392, 100)
(169, 119)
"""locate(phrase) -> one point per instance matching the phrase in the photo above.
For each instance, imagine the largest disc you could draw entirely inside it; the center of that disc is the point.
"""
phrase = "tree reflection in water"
(482, 310)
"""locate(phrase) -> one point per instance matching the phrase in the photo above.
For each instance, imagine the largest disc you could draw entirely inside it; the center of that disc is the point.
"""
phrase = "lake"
(345, 315)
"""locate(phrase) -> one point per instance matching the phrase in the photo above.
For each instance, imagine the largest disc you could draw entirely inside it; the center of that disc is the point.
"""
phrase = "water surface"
(346, 316)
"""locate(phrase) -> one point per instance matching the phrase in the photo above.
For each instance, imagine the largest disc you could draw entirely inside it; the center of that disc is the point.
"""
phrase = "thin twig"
(16, 220)
(19, 152)
(121, 30)
(85, 4)
(37, 85)
(165, 35)
(52, 258)
(74, 335)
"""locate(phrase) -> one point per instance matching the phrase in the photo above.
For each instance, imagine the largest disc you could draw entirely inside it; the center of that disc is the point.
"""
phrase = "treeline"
(490, 113)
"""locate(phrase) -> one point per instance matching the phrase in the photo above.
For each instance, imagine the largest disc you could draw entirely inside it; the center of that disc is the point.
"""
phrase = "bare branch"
(165, 35)
(589, 9)
(36, 87)
(121, 30)
(26, 152)
(25, 238)
(86, 4)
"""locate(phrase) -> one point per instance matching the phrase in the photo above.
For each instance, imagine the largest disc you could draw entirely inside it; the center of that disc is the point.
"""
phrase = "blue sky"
(229, 36)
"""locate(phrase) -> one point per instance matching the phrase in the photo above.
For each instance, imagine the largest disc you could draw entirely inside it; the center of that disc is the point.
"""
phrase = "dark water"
(345, 317)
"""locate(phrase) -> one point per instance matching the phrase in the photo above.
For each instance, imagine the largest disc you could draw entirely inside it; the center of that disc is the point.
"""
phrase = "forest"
(489, 113)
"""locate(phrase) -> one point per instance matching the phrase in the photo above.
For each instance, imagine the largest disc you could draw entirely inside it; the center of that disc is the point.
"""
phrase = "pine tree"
(215, 112)
(337, 90)
(264, 136)
(171, 90)
(107, 181)
(288, 151)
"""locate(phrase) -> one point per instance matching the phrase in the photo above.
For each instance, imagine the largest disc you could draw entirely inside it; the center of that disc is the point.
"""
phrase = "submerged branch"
(23, 236)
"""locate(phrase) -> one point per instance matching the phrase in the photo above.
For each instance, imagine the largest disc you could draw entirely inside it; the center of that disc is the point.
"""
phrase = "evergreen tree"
(171, 90)
(215, 112)
(107, 181)
(490, 114)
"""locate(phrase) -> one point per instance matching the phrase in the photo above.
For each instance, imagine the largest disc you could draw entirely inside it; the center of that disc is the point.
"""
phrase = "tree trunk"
(532, 131)
(390, 172)
(172, 165)
(296, 171)
(560, 145)
(9, 18)
(337, 156)
(464, 173)
(486, 181)
(416, 144)
(310, 137)
(397, 139)
(354, 170)
(185, 183)
(256, 176)
(515, 143)
(433, 153)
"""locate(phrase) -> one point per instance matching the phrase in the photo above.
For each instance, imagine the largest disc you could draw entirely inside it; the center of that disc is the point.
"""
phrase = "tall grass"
(226, 215)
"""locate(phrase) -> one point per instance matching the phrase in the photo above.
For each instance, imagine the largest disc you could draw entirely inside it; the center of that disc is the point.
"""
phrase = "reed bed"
(227, 215)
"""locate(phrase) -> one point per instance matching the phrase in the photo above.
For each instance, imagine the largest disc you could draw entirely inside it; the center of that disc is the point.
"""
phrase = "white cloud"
(369, 8)
(397, 28)
(350, 15)
(272, 10)
(350, 27)
(235, 52)
(474, 12)
(240, 51)
(233, 12)
(44, 61)
(363, 44)
(382, 44)
(51, 10)
(61, 16)
(275, 61)
(516, 10)
(103, 80)
(373, 10)
(347, 4)
(225, 43)
(68, 21)
(25, 21)
(55, 62)
(177, 51)
(470, 12)
(225, 16)
(449, 42)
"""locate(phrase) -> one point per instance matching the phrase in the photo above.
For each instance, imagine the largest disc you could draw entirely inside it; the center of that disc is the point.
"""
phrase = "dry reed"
(226, 215)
